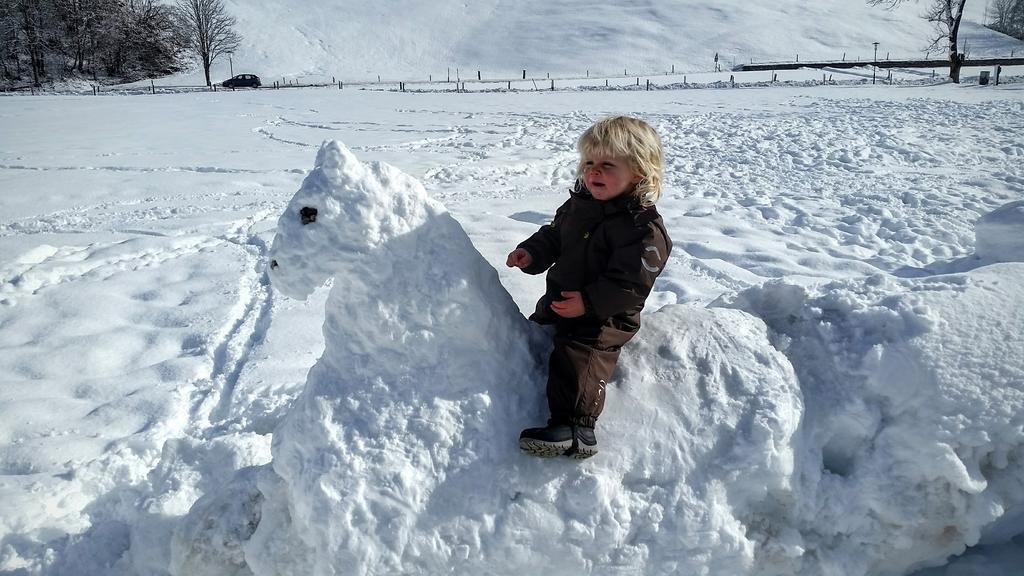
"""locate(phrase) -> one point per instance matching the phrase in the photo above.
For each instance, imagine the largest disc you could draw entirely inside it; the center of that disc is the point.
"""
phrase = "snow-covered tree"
(33, 20)
(126, 39)
(209, 29)
(946, 15)
(9, 45)
(141, 38)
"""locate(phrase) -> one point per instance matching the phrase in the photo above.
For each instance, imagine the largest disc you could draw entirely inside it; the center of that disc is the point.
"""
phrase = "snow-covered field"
(845, 360)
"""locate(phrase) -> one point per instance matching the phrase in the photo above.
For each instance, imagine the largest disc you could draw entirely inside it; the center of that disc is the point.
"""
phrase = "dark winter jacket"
(611, 251)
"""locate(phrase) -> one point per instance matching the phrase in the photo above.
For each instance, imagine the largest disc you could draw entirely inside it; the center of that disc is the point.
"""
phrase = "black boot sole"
(542, 449)
(582, 452)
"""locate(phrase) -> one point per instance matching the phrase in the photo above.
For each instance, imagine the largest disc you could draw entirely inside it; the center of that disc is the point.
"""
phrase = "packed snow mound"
(864, 427)
(912, 444)
(400, 455)
(999, 235)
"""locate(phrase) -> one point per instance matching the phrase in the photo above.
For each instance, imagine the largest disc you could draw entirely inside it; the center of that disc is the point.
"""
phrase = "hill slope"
(357, 39)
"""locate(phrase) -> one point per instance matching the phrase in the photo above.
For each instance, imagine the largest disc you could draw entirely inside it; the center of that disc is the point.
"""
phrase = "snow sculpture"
(400, 455)
(864, 427)
(999, 235)
(912, 443)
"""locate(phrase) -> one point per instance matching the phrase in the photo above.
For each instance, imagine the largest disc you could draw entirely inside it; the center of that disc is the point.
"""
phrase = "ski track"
(143, 170)
(248, 330)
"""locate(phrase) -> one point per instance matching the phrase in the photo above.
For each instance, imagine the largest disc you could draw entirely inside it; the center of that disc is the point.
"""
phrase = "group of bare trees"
(1007, 16)
(120, 40)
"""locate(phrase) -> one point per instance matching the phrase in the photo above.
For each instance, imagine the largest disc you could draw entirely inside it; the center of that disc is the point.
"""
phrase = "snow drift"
(912, 441)
(999, 235)
(863, 427)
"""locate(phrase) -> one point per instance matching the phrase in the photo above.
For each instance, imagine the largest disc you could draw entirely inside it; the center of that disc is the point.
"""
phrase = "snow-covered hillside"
(410, 39)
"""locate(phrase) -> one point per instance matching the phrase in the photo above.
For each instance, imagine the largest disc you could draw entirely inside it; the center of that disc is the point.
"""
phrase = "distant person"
(605, 247)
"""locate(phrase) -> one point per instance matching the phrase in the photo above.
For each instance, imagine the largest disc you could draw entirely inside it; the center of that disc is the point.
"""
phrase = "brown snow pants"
(582, 362)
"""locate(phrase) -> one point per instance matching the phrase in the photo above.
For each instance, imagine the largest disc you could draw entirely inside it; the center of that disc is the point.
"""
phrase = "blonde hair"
(633, 140)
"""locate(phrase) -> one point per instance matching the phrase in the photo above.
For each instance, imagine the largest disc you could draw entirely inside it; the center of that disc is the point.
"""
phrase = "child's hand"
(571, 307)
(518, 258)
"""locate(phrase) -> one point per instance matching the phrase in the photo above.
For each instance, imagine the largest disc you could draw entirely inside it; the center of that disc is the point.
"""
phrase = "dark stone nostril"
(273, 264)
(308, 215)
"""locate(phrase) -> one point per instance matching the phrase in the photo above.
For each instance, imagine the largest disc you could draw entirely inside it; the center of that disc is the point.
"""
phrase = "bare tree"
(35, 19)
(946, 15)
(9, 46)
(1008, 17)
(210, 30)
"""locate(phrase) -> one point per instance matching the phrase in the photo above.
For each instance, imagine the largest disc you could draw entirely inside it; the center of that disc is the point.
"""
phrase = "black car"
(242, 81)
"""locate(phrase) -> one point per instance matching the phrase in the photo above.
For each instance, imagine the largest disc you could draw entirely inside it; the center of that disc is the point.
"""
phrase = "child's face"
(607, 177)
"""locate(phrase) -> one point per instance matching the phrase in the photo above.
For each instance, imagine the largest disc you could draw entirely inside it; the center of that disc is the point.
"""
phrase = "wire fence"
(746, 75)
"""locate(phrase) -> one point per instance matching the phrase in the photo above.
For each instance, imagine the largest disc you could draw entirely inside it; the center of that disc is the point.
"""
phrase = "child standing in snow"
(605, 247)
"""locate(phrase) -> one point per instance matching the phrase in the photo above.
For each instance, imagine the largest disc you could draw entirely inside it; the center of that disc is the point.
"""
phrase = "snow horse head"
(343, 212)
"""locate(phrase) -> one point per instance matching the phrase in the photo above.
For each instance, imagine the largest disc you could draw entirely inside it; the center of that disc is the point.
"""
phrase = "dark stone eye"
(308, 215)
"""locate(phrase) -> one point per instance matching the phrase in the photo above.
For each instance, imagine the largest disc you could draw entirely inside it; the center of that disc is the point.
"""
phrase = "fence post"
(478, 75)
(999, 70)
(152, 87)
(605, 82)
(552, 85)
(732, 81)
(509, 84)
(673, 68)
(844, 56)
(637, 80)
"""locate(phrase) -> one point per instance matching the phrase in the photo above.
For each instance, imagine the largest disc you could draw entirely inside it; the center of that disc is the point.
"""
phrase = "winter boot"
(584, 443)
(557, 439)
(552, 440)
